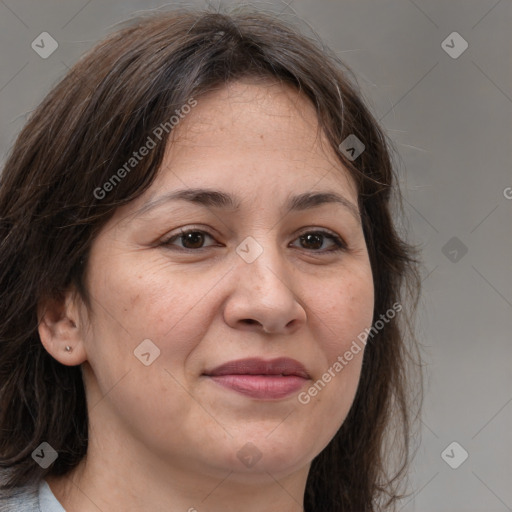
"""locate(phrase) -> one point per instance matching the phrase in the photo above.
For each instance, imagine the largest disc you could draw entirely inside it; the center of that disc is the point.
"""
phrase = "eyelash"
(340, 244)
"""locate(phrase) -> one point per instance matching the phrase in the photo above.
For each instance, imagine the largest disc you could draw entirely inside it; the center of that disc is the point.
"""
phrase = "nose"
(263, 296)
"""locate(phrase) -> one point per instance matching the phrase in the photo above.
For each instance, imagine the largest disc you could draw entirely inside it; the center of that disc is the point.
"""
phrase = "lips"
(260, 379)
(283, 366)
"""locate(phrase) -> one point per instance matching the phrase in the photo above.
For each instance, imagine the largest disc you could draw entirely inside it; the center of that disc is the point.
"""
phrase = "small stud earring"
(68, 348)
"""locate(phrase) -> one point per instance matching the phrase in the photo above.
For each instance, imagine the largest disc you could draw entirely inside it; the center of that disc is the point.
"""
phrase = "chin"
(264, 453)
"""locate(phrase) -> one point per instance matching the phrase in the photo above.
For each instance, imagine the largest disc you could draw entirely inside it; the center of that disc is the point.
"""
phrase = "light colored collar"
(47, 500)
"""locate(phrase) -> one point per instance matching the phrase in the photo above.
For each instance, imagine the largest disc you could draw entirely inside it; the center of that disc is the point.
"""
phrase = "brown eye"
(191, 239)
(194, 239)
(313, 240)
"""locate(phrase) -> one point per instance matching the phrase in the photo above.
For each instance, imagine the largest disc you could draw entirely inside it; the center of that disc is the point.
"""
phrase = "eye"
(191, 239)
(315, 240)
(194, 239)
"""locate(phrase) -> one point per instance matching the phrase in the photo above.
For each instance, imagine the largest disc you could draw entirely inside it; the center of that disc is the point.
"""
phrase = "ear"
(60, 329)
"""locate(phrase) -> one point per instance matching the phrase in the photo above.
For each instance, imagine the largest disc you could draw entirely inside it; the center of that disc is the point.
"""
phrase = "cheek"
(346, 310)
(133, 303)
(145, 298)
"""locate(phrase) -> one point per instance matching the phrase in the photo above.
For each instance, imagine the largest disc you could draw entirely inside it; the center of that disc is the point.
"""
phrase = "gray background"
(450, 120)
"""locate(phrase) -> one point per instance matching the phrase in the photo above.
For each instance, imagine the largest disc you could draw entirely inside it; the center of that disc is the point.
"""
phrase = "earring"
(68, 348)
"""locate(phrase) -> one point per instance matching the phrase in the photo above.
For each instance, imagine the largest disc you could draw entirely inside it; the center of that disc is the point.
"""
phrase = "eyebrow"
(217, 199)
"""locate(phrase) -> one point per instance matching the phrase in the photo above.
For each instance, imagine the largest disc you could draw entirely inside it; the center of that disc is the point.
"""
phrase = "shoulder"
(21, 499)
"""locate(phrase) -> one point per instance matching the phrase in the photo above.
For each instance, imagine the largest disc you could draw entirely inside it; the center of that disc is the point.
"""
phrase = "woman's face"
(257, 281)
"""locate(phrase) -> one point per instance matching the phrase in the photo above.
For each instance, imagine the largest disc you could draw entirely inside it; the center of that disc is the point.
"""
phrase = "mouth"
(265, 380)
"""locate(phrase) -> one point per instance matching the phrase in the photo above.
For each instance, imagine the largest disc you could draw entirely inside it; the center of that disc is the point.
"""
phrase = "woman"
(203, 289)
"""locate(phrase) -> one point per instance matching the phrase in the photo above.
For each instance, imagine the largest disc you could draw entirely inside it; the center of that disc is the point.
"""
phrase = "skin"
(164, 435)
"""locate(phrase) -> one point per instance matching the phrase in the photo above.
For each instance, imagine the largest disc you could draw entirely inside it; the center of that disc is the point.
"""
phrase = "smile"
(260, 379)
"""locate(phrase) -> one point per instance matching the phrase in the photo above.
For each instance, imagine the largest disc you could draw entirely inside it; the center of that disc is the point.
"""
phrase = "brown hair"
(89, 124)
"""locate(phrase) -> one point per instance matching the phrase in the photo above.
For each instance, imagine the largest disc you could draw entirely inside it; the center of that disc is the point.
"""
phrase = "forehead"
(255, 129)
(257, 142)
(252, 105)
